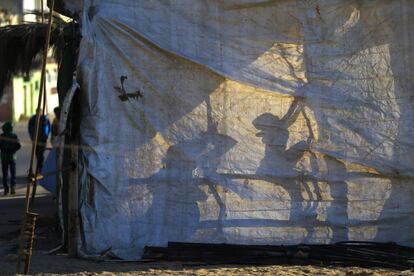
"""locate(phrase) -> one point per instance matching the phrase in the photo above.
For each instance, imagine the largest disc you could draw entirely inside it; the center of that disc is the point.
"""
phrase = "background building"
(19, 99)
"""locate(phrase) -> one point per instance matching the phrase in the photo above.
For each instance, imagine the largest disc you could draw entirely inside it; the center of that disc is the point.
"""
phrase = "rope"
(36, 137)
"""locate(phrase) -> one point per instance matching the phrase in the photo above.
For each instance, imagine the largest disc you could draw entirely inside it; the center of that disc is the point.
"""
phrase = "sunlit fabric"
(260, 122)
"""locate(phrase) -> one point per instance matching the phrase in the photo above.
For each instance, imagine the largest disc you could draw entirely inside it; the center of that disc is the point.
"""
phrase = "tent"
(243, 122)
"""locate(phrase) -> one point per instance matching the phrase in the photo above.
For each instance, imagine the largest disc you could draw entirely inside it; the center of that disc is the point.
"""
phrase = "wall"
(26, 93)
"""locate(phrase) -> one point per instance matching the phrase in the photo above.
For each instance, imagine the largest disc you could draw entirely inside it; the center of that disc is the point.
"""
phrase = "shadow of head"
(272, 129)
(207, 147)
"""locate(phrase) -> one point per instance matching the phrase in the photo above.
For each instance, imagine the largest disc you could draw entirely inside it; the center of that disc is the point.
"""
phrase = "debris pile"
(362, 254)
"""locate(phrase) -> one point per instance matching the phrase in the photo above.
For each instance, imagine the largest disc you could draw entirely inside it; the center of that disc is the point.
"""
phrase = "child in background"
(9, 145)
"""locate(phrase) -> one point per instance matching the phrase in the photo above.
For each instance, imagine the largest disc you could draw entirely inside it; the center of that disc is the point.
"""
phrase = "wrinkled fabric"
(245, 121)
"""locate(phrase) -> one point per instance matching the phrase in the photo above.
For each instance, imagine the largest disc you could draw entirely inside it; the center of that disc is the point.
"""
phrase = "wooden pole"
(34, 145)
(73, 197)
(73, 204)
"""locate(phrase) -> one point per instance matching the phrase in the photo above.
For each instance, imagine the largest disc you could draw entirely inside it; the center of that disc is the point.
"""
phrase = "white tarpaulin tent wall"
(261, 122)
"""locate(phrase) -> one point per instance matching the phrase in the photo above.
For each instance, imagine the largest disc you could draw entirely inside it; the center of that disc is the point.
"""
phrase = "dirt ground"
(11, 209)
(62, 266)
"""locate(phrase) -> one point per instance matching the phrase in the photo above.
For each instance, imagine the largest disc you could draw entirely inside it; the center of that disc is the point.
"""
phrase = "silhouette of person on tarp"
(279, 164)
(177, 187)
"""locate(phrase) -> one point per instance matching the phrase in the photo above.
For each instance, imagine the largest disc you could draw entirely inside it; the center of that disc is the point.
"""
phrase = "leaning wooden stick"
(29, 219)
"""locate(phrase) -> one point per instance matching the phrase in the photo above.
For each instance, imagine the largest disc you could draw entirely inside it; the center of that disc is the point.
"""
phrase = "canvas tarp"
(260, 122)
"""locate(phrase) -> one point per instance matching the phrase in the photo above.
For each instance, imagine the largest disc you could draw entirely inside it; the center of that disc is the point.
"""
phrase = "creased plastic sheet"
(260, 122)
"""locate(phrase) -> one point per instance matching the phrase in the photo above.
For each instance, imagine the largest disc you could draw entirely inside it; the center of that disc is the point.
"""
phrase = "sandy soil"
(61, 265)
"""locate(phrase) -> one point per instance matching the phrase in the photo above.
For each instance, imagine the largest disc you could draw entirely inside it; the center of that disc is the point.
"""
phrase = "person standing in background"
(9, 145)
(43, 135)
